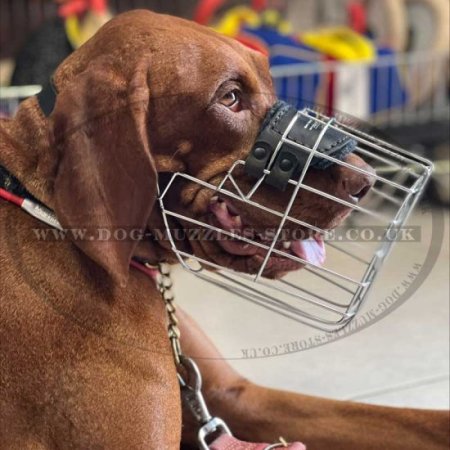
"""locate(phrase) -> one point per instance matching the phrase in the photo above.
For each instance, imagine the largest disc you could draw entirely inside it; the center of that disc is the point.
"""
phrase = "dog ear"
(106, 180)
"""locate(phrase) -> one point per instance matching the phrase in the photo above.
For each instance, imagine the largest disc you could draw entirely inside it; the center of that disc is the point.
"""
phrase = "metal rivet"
(286, 165)
(259, 152)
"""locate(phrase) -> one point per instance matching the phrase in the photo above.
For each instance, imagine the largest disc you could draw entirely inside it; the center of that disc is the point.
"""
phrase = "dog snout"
(355, 184)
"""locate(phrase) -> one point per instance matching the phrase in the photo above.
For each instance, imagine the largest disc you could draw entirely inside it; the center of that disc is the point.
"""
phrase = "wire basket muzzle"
(323, 294)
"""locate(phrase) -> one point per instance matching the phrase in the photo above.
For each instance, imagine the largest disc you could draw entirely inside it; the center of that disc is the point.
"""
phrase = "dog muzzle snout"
(327, 292)
(279, 147)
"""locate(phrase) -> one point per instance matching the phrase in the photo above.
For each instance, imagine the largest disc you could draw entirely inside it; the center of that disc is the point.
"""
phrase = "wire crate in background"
(403, 96)
(393, 90)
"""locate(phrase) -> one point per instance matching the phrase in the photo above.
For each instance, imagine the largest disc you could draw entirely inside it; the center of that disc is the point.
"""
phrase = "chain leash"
(191, 382)
(164, 283)
(190, 386)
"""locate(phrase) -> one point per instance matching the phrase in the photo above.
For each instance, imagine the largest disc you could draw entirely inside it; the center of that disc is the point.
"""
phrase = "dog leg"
(258, 414)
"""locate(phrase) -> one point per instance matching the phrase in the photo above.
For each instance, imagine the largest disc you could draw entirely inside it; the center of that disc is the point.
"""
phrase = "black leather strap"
(290, 159)
(10, 183)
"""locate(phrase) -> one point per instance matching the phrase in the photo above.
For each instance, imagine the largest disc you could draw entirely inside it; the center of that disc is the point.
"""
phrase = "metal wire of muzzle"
(331, 304)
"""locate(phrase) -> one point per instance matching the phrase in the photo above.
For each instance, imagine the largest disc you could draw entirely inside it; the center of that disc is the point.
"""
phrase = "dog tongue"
(311, 250)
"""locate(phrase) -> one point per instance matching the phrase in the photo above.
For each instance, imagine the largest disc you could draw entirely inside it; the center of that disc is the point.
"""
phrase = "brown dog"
(85, 358)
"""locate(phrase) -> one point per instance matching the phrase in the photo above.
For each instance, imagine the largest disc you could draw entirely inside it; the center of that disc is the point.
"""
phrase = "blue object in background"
(300, 91)
(386, 88)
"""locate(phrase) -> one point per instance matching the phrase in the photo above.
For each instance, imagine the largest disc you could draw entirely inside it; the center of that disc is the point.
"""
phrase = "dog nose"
(355, 184)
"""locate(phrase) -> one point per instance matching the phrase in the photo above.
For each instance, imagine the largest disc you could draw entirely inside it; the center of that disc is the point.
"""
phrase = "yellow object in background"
(273, 18)
(235, 18)
(341, 43)
(78, 32)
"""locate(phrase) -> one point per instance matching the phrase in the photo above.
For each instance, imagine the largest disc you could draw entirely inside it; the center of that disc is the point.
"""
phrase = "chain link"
(164, 282)
(191, 387)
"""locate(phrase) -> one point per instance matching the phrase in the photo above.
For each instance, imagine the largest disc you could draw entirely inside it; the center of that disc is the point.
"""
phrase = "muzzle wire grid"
(324, 297)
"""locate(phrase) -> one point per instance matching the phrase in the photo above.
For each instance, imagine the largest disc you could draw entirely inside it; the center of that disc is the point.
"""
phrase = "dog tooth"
(223, 206)
(249, 233)
(287, 245)
(214, 199)
(237, 221)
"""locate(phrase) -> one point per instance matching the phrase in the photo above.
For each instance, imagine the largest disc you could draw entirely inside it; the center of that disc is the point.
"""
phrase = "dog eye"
(232, 100)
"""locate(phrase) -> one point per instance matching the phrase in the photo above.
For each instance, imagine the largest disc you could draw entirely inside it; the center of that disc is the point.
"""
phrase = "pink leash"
(226, 442)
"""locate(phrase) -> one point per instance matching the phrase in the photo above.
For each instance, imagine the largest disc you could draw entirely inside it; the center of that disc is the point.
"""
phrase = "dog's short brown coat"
(85, 358)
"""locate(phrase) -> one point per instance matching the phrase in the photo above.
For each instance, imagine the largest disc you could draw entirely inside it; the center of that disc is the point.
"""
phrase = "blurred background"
(385, 62)
(382, 61)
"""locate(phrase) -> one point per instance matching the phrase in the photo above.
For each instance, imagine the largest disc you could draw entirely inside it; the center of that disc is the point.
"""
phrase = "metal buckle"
(193, 398)
(213, 426)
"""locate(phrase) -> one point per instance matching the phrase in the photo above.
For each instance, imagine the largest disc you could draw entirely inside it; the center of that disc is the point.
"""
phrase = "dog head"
(151, 95)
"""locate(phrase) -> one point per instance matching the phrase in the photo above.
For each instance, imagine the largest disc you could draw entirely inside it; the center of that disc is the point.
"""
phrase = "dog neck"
(27, 152)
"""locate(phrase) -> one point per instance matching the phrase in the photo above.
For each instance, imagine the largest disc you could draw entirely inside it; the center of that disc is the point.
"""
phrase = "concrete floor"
(401, 360)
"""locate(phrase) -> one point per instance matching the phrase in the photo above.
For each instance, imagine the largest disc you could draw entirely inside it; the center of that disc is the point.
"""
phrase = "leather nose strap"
(290, 159)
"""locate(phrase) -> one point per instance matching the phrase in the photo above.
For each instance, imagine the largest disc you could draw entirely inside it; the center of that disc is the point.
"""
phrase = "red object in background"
(357, 17)
(77, 7)
(207, 8)
(331, 77)
(253, 43)
(259, 5)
